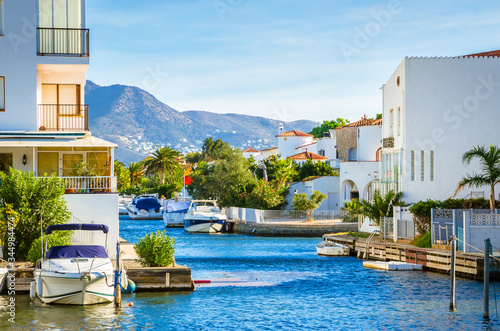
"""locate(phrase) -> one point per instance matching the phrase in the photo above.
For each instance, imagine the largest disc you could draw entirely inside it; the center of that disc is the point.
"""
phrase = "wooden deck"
(432, 259)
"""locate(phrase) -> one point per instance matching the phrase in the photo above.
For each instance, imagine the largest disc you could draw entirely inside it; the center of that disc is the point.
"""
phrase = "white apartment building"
(44, 56)
(434, 110)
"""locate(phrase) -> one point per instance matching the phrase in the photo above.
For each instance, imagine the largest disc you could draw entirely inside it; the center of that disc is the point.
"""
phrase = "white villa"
(434, 110)
(359, 147)
(44, 52)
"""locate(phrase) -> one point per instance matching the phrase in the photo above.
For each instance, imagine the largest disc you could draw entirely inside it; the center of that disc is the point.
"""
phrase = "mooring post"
(453, 296)
(118, 292)
(486, 313)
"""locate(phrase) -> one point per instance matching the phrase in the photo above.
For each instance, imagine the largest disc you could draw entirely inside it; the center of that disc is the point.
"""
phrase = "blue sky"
(283, 59)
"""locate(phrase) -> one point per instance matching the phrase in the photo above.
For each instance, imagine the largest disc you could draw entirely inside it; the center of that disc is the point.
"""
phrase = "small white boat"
(175, 211)
(328, 248)
(204, 216)
(123, 202)
(145, 207)
(75, 274)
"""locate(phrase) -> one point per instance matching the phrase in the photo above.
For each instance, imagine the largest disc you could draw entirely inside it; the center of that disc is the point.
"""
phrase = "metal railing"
(63, 41)
(263, 216)
(90, 184)
(384, 186)
(387, 228)
(63, 117)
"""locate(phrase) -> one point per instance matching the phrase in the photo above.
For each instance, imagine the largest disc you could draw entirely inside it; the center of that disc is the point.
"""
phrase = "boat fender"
(32, 290)
(130, 287)
(39, 287)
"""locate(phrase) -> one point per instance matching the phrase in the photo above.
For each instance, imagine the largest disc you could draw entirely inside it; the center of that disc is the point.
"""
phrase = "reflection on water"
(271, 284)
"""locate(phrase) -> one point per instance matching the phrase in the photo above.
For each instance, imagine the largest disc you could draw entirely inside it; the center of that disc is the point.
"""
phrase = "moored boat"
(145, 207)
(75, 274)
(175, 211)
(328, 248)
(204, 216)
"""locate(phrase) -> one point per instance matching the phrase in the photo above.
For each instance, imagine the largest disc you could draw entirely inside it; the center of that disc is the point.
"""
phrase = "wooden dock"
(437, 260)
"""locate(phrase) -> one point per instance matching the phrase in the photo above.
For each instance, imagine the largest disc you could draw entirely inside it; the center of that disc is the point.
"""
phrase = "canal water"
(271, 284)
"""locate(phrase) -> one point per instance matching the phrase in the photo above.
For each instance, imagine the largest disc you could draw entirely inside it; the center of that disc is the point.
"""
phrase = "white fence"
(90, 184)
(477, 228)
(269, 216)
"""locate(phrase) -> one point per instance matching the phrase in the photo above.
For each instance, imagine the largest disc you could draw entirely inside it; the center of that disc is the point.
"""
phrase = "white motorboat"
(145, 207)
(329, 248)
(123, 202)
(175, 211)
(204, 216)
(75, 274)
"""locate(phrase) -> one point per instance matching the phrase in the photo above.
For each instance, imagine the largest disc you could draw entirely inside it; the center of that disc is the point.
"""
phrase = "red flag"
(187, 180)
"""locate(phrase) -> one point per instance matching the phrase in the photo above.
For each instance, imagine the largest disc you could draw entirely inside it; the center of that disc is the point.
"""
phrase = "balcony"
(91, 184)
(63, 117)
(384, 187)
(388, 142)
(63, 42)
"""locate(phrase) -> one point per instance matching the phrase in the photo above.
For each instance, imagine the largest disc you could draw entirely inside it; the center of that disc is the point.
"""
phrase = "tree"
(33, 199)
(225, 179)
(193, 158)
(136, 171)
(161, 161)
(327, 125)
(267, 195)
(122, 175)
(381, 206)
(302, 202)
(213, 150)
(489, 161)
(319, 168)
(353, 209)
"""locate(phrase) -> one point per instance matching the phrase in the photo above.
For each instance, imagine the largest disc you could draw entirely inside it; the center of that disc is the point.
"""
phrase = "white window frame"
(2, 93)
(1, 17)
(412, 160)
(432, 166)
(422, 166)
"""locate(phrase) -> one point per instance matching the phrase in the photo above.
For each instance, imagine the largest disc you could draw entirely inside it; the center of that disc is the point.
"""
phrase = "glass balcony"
(63, 42)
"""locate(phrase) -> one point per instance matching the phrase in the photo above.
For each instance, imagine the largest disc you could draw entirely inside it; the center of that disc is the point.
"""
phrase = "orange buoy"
(130, 304)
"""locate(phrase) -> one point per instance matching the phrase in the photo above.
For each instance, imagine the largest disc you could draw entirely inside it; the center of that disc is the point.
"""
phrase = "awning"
(55, 139)
(88, 227)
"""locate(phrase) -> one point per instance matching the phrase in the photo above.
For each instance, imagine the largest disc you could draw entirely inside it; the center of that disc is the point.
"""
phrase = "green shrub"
(155, 250)
(59, 238)
(424, 241)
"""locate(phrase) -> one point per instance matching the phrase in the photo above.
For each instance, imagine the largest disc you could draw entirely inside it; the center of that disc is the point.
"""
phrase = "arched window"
(352, 154)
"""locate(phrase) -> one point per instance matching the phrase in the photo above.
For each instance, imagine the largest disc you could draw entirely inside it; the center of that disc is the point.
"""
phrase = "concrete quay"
(291, 229)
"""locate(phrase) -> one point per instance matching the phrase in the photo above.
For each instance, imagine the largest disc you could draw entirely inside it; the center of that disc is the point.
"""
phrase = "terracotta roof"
(306, 145)
(485, 54)
(251, 150)
(269, 149)
(295, 133)
(311, 178)
(306, 156)
(364, 121)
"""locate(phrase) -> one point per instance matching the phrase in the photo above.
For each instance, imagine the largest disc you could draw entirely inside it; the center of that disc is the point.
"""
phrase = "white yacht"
(329, 248)
(175, 211)
(145, 207)
(76, 274)
(204, 216)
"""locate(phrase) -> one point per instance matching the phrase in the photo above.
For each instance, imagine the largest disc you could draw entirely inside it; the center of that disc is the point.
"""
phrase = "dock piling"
(118, 290)
(453, 295)
(486, 313)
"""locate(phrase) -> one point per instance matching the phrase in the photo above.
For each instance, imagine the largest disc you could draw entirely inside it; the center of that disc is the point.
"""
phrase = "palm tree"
(136, 172)
(489, 161)
(161, 161)
(381, 206)
(284, 170)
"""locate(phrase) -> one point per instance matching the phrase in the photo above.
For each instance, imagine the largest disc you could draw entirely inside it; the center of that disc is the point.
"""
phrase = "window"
(48, 163)
(422, 163)
(412, 166)
(391, 123)
(398, 119)
(5, 161)
(2, 93)
(432, 166)
(1, 17)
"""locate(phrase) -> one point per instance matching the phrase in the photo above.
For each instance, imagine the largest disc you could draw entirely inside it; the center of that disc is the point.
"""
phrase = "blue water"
(273, 284)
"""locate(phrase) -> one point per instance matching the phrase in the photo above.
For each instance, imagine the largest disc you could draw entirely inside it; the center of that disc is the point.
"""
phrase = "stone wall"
(346, 139)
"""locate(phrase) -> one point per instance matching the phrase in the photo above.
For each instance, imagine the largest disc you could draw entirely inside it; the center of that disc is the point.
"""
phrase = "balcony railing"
(90, 184)
(384, 187)
(63, 117)
(62, 41)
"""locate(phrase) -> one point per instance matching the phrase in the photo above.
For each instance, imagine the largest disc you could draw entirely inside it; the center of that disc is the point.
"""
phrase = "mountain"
(137, 121)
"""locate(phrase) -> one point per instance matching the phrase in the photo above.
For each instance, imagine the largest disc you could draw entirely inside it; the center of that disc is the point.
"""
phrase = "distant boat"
(204, 216)
(145, 207)
(75, 274)
(175, 211)
(329, 248)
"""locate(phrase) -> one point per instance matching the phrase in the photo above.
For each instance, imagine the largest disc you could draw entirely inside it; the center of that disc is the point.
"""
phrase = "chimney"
(280, 129)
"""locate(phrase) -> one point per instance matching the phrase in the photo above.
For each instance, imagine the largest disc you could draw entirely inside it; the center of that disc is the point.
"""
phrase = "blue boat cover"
(178, 207)
(89, 227)
(147, 204)
(91, 251)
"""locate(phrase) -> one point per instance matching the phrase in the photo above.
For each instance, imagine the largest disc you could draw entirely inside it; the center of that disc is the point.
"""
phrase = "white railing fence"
(89, 184)
(387, 227)
(263, 216)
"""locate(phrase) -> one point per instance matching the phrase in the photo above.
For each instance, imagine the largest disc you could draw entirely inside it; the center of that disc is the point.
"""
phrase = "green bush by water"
(155, 250)
(424, 241)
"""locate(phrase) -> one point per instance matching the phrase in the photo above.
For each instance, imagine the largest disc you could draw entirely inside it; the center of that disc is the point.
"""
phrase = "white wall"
(369, 141)
(361, 173)
(17, 157)
(99, 209)
(329, 145)
(328, 185)
(449, 106)
(287, 145)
